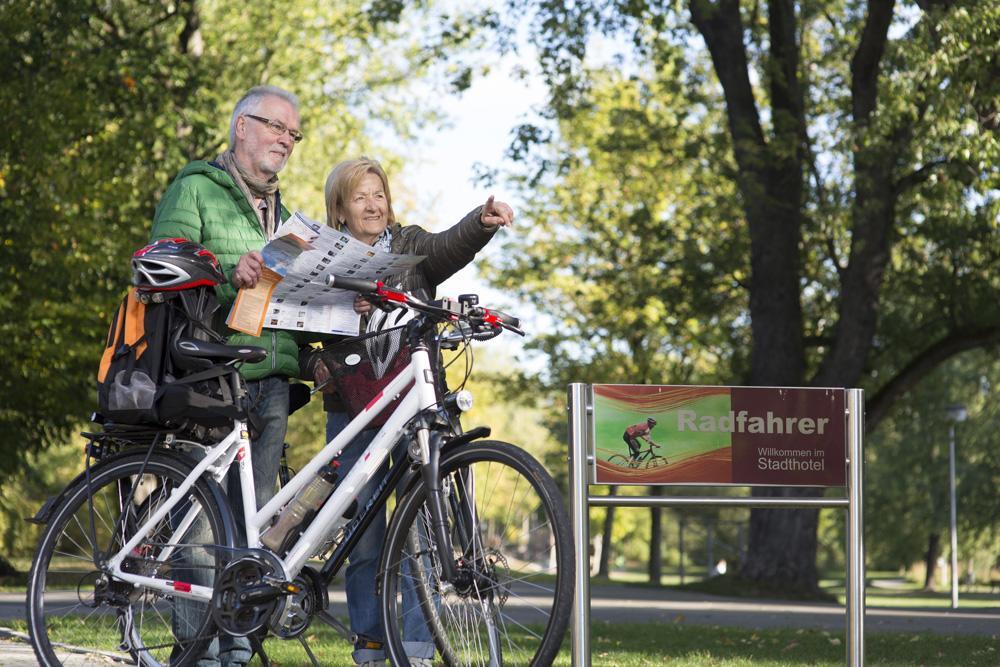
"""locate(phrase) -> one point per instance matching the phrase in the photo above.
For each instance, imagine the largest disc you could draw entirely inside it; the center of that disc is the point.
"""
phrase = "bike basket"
(361, 367)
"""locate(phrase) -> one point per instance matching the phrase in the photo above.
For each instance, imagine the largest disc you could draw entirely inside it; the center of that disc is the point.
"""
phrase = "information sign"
(756, 436)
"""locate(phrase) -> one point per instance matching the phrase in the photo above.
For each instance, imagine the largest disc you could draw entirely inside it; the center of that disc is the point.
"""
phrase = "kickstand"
(305, 647)
(258, 649)
(334, 623)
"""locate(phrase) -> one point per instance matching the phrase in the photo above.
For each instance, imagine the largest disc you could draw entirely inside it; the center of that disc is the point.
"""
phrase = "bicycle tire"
(655, 461)
(109, 617)
(520, 548)
(620, 461)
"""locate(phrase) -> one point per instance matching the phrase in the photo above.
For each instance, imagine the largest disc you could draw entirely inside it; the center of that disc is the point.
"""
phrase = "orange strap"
(127, 327)
(135, 323)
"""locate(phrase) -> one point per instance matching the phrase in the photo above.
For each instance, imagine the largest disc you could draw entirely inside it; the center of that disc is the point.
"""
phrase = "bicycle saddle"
(191, 353)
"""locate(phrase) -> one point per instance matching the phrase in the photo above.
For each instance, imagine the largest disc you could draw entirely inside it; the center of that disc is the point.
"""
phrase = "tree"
(102, 105)
(908, 472)
(849, 241)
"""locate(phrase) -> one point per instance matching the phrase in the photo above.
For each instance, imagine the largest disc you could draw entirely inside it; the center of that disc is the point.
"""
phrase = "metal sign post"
(583, 461)
(580, 413)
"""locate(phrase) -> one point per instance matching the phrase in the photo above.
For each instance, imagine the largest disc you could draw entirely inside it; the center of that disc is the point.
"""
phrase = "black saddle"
(193, 354)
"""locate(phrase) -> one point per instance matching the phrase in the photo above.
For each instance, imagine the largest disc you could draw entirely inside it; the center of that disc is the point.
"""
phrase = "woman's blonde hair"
(342, 181)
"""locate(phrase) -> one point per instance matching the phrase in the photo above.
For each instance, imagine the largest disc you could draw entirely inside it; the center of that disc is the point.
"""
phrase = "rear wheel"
(512, 548)
(620, 461)
(76, 607)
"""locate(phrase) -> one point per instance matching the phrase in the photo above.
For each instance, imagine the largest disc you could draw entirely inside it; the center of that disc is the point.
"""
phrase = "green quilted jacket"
(203, 204)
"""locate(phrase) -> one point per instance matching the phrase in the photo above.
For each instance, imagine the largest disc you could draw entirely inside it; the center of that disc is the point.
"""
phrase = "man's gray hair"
(251, 101)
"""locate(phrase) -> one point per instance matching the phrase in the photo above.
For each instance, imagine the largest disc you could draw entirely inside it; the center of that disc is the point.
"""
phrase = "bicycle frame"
(236, 447)
(644, 454)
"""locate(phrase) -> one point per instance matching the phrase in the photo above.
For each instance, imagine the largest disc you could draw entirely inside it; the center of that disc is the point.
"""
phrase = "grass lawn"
(679, 645)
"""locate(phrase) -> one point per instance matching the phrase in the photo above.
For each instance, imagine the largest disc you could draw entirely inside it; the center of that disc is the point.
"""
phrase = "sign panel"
(748, 436)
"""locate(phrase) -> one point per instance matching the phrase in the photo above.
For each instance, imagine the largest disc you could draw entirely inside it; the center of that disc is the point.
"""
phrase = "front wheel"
(512, 548)
(76, 608)
(656, 461)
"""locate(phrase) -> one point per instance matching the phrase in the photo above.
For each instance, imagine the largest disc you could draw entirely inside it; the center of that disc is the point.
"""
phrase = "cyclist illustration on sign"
(639, 457)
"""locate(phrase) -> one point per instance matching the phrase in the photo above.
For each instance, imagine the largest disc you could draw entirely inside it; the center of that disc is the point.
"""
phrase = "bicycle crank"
(247, 593)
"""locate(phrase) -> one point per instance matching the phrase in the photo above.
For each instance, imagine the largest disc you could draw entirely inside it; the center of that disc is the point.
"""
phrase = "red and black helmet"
(175, 264)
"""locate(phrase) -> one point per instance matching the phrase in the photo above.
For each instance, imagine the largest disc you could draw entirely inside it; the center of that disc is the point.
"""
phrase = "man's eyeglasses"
(277, 127)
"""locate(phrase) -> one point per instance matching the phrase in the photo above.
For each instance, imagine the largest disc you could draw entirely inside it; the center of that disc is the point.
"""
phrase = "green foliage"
(104, 103)
(44, 474)
(907, 473)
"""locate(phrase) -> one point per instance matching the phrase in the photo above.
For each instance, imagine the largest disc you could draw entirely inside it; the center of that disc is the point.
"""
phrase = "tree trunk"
(782, 549)
(6, 569)
(656, 539)
(930, 560)
(604, 567)
(782, 553)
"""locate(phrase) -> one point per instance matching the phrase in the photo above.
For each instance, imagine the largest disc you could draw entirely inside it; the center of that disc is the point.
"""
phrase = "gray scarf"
(383, 242)
(254, 188)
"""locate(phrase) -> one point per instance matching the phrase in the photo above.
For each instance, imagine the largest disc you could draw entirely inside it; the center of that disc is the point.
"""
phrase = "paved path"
(636, 604)
(639, 604)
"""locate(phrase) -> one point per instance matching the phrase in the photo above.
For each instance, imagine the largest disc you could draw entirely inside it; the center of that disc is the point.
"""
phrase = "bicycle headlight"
(460, 399)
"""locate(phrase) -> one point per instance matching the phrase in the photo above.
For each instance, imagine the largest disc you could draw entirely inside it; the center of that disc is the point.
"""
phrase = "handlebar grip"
(507, 319)
(352, 284)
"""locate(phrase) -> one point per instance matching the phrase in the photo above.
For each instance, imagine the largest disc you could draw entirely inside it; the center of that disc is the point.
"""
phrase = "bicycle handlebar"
(485, 323)
(352, 284)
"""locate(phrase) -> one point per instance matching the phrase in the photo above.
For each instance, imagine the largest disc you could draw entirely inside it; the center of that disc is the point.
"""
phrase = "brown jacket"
(446, 253)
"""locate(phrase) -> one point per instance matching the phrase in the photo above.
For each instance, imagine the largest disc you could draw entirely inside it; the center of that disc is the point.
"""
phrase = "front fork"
(430, 471)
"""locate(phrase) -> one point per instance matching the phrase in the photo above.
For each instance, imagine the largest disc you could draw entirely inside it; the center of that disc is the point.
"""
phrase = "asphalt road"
(643, 605)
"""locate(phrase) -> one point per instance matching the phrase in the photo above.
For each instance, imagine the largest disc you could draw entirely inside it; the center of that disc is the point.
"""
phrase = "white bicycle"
(141, 560)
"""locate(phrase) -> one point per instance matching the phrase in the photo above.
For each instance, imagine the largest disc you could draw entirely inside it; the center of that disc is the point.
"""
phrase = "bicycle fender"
(44, 513)
(477, 433)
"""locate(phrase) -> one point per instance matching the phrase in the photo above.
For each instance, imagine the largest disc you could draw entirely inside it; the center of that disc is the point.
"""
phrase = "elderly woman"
(358, 202)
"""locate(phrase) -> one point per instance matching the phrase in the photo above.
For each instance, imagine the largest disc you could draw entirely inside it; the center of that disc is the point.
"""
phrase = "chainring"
(295, 613)
(243, 601)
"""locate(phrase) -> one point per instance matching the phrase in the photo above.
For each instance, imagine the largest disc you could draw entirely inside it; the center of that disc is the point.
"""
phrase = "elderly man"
(232, 206)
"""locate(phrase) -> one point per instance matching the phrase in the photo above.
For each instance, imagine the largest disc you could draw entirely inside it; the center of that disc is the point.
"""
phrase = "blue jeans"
(362, 570)
(269, 404)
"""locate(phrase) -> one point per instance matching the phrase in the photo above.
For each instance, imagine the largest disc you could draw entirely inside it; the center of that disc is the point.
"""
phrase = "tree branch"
(783, 68)
(868, 57)
(770, 179)
(873, 214)
(956, 342)
(189, 39)
(918, 176)
(720, 25)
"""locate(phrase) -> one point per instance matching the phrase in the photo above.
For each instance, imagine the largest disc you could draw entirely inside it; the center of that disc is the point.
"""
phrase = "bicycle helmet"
(651, 422)
(384, 337)
(169, 265)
